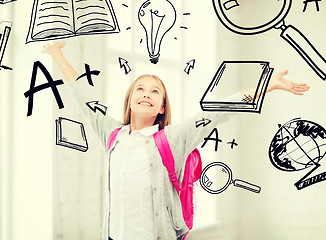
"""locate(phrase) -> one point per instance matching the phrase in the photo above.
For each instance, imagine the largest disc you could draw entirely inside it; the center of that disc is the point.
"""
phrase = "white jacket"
(182, 138)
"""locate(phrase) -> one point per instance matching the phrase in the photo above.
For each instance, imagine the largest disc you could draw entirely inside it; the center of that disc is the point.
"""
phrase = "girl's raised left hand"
(278, 82)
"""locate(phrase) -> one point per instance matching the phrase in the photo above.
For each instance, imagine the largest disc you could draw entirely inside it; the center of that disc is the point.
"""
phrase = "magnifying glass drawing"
(217, 176)
(226, 10)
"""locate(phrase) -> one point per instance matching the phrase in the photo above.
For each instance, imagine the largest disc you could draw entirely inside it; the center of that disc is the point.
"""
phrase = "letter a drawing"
(216, 139)
(51, 83)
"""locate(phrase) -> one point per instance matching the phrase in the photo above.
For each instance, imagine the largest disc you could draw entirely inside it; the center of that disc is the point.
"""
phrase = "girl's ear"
(162, 109)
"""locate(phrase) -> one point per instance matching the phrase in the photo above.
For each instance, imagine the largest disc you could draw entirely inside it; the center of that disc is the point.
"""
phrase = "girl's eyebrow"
(142, 85)
(157, 88)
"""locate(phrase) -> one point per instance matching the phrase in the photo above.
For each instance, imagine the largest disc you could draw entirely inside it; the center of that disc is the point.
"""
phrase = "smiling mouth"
(145, 104)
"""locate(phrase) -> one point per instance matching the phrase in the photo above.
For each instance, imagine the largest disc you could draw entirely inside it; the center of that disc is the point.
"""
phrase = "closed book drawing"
(70, 133)
(232, 77)
(67, 18)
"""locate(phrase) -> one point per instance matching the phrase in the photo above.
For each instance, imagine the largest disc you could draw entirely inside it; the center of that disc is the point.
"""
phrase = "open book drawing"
(5, 29)
(68, 18)
(226, 82)
(70, 133)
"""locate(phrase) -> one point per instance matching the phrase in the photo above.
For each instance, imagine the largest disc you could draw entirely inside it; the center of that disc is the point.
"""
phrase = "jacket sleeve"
(185, 136)
(102, 124)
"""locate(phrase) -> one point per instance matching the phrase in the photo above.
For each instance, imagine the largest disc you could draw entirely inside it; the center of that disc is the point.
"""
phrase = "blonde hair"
(162, 119)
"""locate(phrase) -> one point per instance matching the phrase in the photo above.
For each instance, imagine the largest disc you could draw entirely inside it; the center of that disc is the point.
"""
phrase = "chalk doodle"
(273, 12)
(124, 64)
(308, 1)
(247, 99)
(69, 18)
(189, 65)
(5, 29)
(203, 122)
(259, 71)
(210, 138)
(299, 145)
(217, 177)
(233, 143)
(88, 74)
(6, 1)
(94, 105)
(230, 4)
(213, 133)
(50, 84)
(157, 18)
(71, 134)
(185, 14)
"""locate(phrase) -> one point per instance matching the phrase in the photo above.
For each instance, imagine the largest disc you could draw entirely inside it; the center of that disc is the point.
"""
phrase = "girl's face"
(147, 97)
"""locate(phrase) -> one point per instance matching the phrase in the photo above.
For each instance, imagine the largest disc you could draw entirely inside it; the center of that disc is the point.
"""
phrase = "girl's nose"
(145, 96)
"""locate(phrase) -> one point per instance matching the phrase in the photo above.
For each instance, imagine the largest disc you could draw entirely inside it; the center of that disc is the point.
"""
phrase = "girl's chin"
(144, 109)
(144, 112)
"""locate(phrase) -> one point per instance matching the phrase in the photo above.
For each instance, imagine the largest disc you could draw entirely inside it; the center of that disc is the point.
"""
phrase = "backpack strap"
(112, 138)
(167, 157)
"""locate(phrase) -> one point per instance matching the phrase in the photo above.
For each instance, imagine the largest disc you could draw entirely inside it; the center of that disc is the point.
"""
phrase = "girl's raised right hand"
(53, 48)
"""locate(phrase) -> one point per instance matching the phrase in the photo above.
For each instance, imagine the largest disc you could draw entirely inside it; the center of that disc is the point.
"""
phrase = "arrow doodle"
(124, 64)
(203, 122)
(190, 64)
(93, 105)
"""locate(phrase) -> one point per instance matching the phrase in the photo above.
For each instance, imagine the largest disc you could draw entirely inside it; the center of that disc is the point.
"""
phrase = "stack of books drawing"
(68, 18)
(71, 134)
(232, 77)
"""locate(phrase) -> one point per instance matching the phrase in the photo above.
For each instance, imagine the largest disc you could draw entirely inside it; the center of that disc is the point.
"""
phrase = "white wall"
(281, 211)
(26, 151)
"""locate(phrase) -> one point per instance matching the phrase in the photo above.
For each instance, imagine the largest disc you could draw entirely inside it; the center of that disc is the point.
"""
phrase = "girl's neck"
(138, 123)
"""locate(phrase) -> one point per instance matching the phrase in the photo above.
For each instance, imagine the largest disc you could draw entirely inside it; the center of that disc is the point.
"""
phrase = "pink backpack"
(192, 172)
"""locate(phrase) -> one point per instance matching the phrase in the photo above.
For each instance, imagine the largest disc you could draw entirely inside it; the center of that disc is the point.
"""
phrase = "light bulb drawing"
(157, 18)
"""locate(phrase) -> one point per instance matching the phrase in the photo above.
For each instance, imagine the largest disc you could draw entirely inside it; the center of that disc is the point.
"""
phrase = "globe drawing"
(297, 145)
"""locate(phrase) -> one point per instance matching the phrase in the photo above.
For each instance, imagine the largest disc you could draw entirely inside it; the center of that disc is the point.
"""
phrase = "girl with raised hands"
(142, 203)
